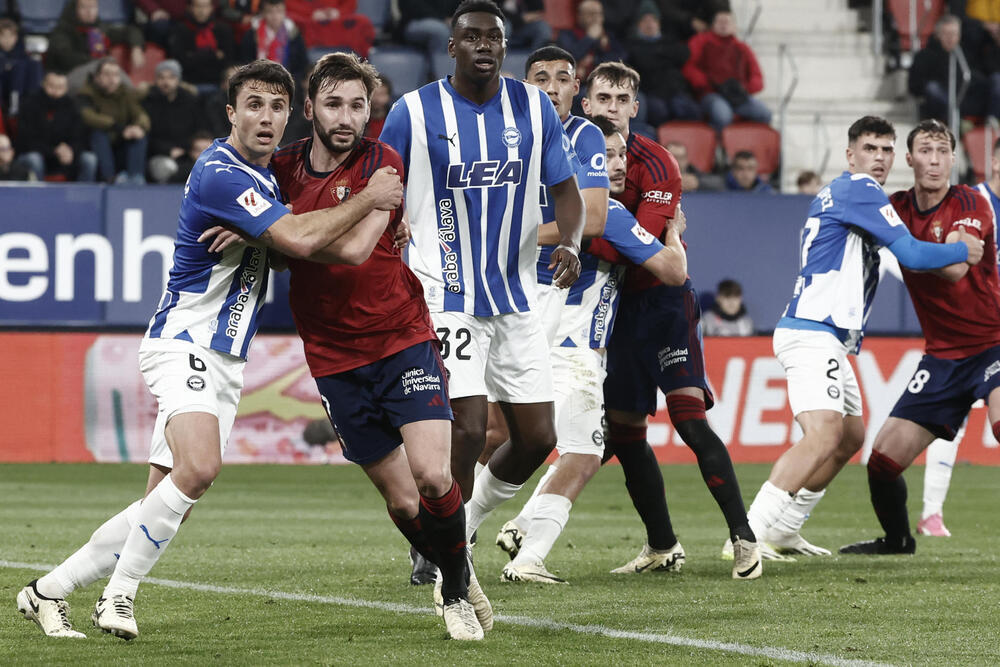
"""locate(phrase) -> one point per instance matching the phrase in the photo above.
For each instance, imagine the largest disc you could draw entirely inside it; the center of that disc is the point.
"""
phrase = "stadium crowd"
(134, 97)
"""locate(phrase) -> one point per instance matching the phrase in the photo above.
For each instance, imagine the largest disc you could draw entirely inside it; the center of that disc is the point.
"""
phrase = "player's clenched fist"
(679, 221)
(567, 266)
(974, 244)
(385, 189)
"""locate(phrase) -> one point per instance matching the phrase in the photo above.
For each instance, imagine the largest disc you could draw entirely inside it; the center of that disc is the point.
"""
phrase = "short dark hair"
(7, 24)
(604, 125)
(265, 71)
(617, 74)
(264, 3)
(740, 156)
(876, 125)
(547, 54)
(933, 127)
(805, 177)
(470, 6)
(996, 145)
(728, 287)
(342, 67)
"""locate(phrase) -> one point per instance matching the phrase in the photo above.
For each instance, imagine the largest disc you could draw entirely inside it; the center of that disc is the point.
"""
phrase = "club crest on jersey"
(936, 230)
(511, 137)
(484, 174)
(340, 191)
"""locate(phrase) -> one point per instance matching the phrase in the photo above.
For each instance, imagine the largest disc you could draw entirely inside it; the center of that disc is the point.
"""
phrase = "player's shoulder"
(222, 168)
(969, 199)
(290, 154)
(374, 153)
(900, 198)
(858, 187)
(656, 159)
(582, 132)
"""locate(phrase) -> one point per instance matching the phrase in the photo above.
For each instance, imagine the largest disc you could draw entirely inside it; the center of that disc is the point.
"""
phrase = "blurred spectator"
(238, 14)
(381, 101)
(589, 42)
(724, 73)
(118, 125)
(160, 16)
(659, 58)
(928, 76)
(19, 73)
(687, 18)
(273, 36)
(51, 137)
(174, 117)
(214, 105)
(11, 169)
(691, 178)
(743, 176)
(525, 26)
(202, 44)
(728, 315)
(81, 39)
(199, 144)
(334, 23)
(808, 183)
(427, 25)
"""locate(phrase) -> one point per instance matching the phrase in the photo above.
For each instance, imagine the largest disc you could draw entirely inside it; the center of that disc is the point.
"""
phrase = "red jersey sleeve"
(381, 155)
(660, 193)
(601, 249)
(980, 222)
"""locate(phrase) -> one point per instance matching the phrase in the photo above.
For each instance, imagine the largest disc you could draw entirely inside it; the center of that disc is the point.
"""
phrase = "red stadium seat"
(560, 14)
(928, 12)
(977, 149)
(760, 139)
(145, 74)
(698, 137)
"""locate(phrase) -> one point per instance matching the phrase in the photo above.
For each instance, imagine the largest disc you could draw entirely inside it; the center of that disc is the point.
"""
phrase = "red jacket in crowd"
(715, 59)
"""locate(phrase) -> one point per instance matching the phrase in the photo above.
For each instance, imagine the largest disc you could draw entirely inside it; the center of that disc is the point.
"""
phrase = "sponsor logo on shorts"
(417, 379)
(833, 392)
(668, 357)
(991, 370)
(597, 436)
(196, 383)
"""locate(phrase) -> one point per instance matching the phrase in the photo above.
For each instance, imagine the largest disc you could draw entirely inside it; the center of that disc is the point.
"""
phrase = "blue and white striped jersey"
(591, 152)
(838, 263)
(588, 314)
(212, 299)
(473, 191)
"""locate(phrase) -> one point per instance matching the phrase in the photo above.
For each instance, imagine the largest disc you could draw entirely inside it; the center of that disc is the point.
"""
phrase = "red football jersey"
(959, 319)
(652, 194)
(350, 316)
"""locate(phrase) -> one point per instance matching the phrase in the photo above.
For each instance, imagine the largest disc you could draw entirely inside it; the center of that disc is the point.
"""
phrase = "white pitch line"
(524, 621)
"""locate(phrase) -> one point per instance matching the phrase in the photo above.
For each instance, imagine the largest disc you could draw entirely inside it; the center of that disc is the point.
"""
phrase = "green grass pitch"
(295, 553)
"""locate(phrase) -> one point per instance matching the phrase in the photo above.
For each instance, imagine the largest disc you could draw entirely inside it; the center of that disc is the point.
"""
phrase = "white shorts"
(578, 375)
(819, 374)
(505, 357)
(550, 305)
(185, 377)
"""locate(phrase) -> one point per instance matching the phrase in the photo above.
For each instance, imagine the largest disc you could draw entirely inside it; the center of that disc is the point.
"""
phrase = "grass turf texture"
(324, 531)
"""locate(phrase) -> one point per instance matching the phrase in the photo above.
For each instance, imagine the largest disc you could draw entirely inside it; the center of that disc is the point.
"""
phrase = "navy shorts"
(368, 405)
(656, 343)
(941, 391)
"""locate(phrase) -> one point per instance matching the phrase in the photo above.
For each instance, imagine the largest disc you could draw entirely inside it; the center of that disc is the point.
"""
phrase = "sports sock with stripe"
(443, 520)
(888, 492)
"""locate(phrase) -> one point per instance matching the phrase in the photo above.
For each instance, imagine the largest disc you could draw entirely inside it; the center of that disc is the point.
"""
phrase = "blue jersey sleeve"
(627, 236)
(396, 131)
(592, 154)
(922, 256)
(867, 206)
(237, 198)
(557, 151)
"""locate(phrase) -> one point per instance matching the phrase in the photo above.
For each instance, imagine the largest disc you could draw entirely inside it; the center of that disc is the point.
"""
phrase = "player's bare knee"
(433, 480)
(402, 506)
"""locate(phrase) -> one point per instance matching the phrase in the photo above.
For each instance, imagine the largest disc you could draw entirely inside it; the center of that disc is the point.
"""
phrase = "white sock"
(479, 469)
(937, 475)
(551, 515)
(767, 508)
(94, 560)
(157, 522)
(523, 519)
(798, 510)
(487, 496)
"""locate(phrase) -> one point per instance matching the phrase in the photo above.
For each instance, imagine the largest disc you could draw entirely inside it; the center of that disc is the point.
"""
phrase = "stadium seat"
(977, 149)
(39, 16)
(145, 74)
(379, 11)
(760, 139)
(406, 68)
(316, 52)
(114, 11)
(515, 61)
(698, 137)
(560, 14)
(928, 12)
